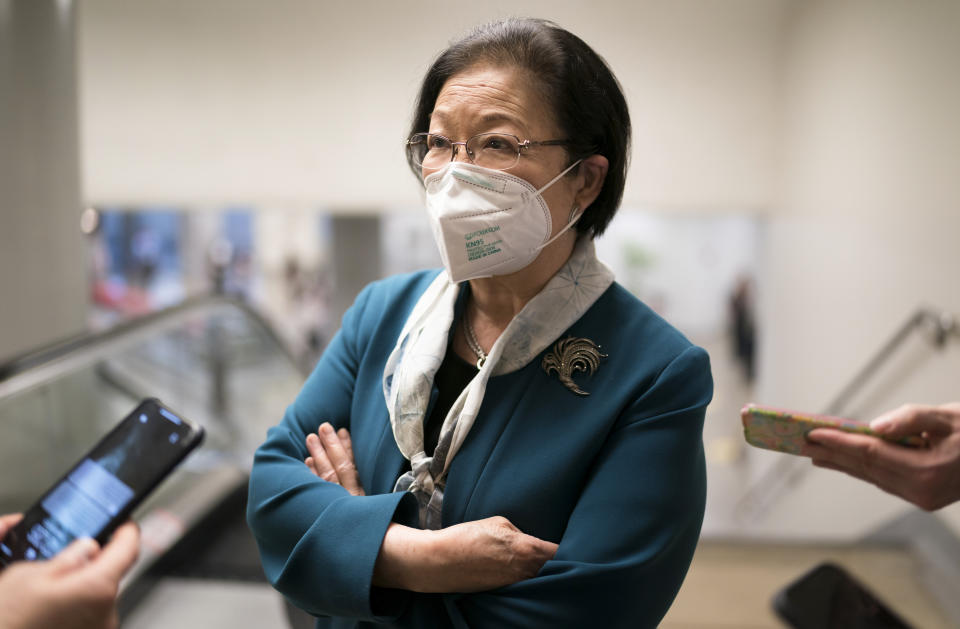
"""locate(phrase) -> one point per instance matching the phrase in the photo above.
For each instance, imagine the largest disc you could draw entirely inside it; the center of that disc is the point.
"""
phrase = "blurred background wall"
(864, 223)
(296, 102)
(42, 277)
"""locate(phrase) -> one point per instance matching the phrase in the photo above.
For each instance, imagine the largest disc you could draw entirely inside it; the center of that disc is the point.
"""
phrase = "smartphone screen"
(827, 597)
(101, 490)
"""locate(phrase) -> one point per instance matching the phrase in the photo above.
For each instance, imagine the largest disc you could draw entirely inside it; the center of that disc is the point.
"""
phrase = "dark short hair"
(577, 84)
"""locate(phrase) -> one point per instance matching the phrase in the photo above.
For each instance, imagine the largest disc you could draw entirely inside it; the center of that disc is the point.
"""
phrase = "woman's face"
(485, 99)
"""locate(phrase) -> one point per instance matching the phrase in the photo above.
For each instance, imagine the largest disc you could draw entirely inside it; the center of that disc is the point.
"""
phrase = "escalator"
(212, 359)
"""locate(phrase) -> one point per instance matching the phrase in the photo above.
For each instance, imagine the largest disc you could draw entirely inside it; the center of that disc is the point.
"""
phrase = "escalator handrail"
(942, 324)
(21, 366)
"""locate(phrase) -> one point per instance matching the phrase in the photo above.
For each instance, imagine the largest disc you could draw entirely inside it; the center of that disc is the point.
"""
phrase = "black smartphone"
(828, 597)
(102, 489)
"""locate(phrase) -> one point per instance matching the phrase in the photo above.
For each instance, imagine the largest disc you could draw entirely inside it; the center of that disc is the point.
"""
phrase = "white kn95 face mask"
(488, 222)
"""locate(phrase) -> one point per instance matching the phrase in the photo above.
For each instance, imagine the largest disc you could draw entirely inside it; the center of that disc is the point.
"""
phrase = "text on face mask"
(477, 249)
(481, 232)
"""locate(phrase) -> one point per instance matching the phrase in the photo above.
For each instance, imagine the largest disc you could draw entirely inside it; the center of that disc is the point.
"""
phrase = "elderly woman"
(515, 440)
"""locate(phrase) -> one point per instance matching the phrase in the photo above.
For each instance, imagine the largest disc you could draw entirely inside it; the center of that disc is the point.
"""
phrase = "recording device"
(827, 597)
(103, 488)
(786, 431)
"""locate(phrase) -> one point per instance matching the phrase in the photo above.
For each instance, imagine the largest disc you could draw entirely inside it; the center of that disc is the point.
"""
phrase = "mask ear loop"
(557, 178)
(575, 212)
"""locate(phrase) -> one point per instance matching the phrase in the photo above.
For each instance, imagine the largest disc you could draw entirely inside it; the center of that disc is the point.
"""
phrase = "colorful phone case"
(786, 431)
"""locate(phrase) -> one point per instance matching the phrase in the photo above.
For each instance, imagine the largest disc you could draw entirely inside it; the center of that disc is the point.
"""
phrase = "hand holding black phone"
(106, 485)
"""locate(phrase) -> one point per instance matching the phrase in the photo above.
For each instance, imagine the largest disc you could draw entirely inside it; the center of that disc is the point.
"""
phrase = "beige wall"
(297, 103)
(866, 227)
(42, 274)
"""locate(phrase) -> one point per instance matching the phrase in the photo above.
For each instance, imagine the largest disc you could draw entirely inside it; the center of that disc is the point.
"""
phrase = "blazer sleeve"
(318, 544)
(632, 534)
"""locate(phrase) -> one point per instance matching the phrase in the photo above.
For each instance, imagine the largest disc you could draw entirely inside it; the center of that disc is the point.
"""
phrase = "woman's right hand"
(469, 557)
(331, 458)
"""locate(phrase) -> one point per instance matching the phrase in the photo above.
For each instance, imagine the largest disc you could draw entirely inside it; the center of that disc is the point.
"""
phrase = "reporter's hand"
(331, 458)
(77, 589)
(928, 477)
(468, 557)
(8, 521)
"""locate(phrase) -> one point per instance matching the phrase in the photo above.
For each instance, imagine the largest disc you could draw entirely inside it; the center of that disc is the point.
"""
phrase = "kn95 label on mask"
(483, 243)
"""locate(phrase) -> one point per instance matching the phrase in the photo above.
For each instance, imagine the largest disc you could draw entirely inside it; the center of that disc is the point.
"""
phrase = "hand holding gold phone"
(786, 431)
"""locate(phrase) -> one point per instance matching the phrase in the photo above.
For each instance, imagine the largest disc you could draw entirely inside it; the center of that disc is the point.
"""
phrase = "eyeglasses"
(498, 151)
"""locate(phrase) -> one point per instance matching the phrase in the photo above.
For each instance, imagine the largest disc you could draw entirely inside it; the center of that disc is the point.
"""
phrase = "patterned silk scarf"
(408, 375)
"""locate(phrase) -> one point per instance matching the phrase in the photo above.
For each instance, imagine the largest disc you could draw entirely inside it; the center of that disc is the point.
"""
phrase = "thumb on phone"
(79, 553)
(912, 419)
(120, 553)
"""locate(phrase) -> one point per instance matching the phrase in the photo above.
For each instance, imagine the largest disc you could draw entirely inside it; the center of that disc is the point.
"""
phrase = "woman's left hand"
(331, 458)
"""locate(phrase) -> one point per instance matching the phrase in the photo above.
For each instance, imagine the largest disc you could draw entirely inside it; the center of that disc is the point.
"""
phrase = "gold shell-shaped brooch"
(570, 355)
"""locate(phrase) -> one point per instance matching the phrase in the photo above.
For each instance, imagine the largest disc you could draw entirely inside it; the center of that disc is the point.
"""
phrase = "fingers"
(953, 409)
(331, 458)
(913, 488)
(861, 456)
(8, 521)
(883, 480)
(109, 563)
(319, 461)
(914, 419)
(831, 460)
(536, 551)
(340, 458)
(344, 435)
(527, 553)
(920, 476)
(120, 553)
(543, 549)
(501, 522)
(472, 556)
(863, 451)
(90, 590)
(79, 553)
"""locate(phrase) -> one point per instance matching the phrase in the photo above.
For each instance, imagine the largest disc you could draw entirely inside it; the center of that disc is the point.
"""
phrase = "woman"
(514, 441)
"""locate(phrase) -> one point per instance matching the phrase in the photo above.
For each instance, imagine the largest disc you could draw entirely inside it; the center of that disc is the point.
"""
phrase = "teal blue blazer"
(617, 478)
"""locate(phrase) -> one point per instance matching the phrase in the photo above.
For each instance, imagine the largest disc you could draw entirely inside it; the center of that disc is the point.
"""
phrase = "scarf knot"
(422, 344)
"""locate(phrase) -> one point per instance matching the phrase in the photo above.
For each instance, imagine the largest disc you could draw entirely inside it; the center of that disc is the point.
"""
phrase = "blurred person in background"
(516, 440)
(928, 477)
(743, 326)
(77, 589)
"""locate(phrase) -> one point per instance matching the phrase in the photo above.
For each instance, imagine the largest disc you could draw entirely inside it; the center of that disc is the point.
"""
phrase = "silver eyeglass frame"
(522, 145)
